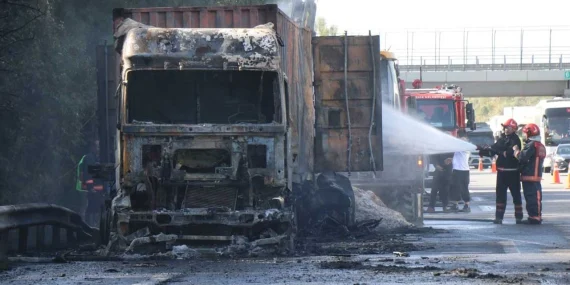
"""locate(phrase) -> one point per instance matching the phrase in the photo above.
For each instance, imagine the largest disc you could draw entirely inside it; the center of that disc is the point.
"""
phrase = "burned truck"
(215, 124)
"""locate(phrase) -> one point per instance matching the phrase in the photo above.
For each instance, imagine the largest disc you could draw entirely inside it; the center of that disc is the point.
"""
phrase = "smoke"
(404, 134)
(303, 12)
(286, 6)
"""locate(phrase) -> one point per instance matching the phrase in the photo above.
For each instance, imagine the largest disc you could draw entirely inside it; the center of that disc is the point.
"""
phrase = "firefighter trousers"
(533, 197)
(508, 180)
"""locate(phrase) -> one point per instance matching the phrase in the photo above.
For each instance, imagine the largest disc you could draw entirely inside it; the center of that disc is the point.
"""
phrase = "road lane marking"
(487, 208)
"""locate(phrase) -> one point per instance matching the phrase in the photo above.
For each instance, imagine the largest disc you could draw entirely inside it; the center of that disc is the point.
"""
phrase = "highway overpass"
(482, 81)
(486, 62)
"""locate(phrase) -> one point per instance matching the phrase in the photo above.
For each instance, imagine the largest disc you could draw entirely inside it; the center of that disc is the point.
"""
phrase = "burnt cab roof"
(182, 48)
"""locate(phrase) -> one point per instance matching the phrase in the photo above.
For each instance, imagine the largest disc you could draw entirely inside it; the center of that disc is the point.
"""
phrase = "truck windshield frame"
(558, 126)
(394, 82)
(192, 97)
(390, 83)
(445, 120)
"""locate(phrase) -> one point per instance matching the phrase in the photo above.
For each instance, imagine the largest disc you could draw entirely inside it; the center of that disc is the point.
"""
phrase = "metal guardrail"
(481, 67)
(41, 226)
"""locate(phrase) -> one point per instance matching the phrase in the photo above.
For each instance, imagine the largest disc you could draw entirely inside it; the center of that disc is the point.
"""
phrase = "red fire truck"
(443, 107)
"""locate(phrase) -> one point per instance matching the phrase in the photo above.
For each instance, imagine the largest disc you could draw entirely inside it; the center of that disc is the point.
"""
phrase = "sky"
(394, 21)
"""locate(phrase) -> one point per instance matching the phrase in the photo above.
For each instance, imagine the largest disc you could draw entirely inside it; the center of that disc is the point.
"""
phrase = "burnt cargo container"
(348, 104)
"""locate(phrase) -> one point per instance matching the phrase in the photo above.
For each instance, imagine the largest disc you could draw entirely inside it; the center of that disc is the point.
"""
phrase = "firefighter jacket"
(531, 158)
(504, 145)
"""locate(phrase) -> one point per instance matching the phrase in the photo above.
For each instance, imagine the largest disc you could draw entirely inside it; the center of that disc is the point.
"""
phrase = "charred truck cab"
(202, 134)
(226, 134)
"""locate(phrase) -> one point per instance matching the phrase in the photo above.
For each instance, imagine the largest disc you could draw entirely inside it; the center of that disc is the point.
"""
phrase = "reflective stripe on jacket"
(531, 159)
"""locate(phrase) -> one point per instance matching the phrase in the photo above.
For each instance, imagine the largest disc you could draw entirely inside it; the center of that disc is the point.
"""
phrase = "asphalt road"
(469, 249)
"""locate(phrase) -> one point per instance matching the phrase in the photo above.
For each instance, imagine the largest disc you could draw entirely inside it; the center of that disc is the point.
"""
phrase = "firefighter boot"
(452, 209)
(530, 221)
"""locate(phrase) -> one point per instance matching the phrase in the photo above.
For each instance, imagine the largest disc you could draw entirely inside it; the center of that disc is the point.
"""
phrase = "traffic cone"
(556, 175)
(494, 166)
(568, 179)
(480, 164)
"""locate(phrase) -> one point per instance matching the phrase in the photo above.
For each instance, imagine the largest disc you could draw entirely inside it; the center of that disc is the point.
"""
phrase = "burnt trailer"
(230, 121)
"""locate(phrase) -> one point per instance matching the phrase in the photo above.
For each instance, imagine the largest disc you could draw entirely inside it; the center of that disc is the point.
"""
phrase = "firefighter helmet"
(531, 130)
(510, 123)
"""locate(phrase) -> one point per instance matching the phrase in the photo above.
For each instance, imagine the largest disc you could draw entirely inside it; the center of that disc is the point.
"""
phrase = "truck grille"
(210, 197)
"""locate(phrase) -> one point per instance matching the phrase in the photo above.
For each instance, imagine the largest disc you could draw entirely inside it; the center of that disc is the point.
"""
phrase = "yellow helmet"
(388, 55)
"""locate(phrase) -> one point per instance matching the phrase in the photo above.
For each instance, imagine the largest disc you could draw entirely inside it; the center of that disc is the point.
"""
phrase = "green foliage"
(323, 29)
(485, 108)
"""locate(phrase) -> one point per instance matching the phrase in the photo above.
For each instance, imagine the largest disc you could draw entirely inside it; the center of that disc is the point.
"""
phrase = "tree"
(323, 29)
(485, 108)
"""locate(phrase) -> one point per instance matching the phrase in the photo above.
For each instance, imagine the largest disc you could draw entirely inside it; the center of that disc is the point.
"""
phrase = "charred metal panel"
(137, 162)
(204, 216)
(237, 49)
(299, 70)
(190, 130)
(333, 138)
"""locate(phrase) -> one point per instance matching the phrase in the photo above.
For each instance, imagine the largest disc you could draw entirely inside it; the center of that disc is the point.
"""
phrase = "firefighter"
(531, 158)
(91, 186)
(508, 176)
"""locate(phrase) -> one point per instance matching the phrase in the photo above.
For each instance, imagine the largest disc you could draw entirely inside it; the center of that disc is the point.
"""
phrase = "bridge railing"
(481, 48)
(478, 63)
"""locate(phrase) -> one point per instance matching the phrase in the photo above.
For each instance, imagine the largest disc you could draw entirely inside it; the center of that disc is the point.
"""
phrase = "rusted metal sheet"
(341, 134)
(204, 17)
